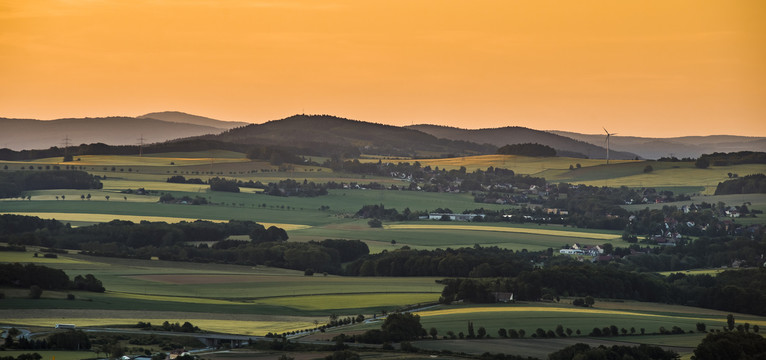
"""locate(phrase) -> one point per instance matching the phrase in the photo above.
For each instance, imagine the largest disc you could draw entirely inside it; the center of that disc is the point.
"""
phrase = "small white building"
(454, 217)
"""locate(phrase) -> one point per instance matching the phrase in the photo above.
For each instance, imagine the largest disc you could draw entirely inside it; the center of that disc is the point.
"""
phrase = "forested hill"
(325, 132)
(20, 134)
(680, 147)
(517, 135)
(181, 117)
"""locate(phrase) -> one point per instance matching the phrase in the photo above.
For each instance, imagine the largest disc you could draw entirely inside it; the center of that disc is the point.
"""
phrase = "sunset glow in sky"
(647, 68)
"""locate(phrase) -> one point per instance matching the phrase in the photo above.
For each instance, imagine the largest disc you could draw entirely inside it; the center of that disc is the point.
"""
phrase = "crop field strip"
(562, 233)
(561, 311)
(135, 218)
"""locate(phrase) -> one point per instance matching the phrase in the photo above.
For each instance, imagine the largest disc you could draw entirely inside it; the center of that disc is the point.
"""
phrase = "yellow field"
(244, 327)
(712, 272)
(12, 256)
(96, 195)
(348, 301)
(563, 233)
(173, 299)
(135, 218)
(709, 178)
(472, 310)
(135, 160)
(519, 164)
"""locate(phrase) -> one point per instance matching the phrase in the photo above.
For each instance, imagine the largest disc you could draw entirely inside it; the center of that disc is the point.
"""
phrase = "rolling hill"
(680, 147)
(327, 133)
(21, 134)
(184, 118)
(564, 146)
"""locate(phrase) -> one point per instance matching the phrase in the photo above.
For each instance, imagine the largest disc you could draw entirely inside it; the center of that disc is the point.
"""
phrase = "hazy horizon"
(650, 68)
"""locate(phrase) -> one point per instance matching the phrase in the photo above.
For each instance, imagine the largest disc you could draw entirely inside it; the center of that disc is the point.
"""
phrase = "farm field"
(519, 164)
(541, 348)
(191, 290)
(665, 176)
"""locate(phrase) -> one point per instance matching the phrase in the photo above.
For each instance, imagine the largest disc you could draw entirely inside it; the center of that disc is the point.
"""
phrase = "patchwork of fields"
(257, 300)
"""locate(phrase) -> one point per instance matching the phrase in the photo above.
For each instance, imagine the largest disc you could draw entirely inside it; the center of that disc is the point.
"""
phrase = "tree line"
(477, 261)
(735, 290)
(13, 183)
(748, 184)
(527, 149)
(27, 275)
(144, 240)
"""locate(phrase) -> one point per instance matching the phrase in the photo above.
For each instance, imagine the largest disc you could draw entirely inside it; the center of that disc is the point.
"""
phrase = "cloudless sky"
(656, 68)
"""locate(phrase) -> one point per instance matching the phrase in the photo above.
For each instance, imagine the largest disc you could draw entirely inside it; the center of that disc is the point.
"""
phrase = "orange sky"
(648, 68)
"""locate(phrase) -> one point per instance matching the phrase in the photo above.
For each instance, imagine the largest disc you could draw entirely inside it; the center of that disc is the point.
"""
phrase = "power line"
(141, 146)
(66, 145)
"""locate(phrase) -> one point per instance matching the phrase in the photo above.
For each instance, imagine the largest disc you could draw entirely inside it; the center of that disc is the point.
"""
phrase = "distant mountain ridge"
(20, 134)
(680, 147)
(182, 117)
(326, 131)
(564, 146)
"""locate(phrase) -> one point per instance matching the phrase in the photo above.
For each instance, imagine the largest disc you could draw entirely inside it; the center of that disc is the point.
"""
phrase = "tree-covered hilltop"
(527, 149)
(332, 133)
(14, 183)
(733, 158)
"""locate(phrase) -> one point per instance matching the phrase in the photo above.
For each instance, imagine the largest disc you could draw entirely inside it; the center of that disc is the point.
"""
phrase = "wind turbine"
(607, 144)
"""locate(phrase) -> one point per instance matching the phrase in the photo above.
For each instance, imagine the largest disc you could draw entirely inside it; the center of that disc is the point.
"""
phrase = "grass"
(28, 257)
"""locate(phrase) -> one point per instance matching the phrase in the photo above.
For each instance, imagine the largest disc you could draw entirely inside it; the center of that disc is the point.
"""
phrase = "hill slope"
(517, 135)
(325, 133)
(184, 118)
(20, 134)
(686, 146)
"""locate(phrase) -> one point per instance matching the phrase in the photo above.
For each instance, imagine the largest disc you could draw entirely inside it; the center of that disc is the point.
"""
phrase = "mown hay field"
(664, 175)
(444, 235)
(520, 164)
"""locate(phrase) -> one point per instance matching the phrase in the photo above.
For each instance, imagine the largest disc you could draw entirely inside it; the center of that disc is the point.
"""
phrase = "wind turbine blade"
(607, 132)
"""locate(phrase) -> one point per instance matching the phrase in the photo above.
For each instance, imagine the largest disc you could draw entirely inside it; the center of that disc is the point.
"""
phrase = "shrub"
(35, 292)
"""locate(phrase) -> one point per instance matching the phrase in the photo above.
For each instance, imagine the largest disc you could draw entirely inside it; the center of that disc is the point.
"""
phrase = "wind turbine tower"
(607, 144)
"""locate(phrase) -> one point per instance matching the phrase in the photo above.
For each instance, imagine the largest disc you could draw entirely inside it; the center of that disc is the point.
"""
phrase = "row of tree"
(13, 183)
(736, 291)
(527, 149)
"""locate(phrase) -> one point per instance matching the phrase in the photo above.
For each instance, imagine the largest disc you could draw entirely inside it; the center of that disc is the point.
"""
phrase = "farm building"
(454, 217)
